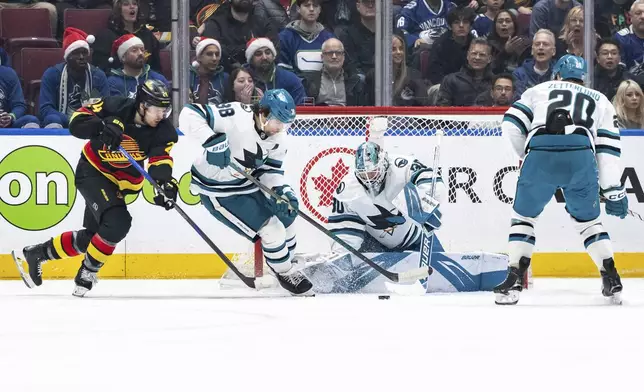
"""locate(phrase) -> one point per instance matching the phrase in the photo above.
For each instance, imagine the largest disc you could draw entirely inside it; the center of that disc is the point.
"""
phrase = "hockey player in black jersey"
(104, 176)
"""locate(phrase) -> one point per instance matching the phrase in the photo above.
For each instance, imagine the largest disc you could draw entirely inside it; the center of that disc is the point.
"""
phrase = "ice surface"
(190, 336)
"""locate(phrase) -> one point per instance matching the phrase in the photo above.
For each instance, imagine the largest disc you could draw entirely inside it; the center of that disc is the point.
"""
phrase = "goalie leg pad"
(276, 251)
(596, 241)
(521, 239)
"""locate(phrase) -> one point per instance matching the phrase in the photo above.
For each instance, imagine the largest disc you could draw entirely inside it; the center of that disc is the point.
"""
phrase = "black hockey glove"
(112, 133)
(168, 199)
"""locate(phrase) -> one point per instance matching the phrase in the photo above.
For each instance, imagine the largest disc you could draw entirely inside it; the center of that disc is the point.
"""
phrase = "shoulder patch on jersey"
(246, 108)
(340, 188)
(416, 165)
(401, 162)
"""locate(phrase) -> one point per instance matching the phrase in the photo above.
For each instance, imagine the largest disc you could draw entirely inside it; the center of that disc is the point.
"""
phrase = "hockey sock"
(276, 252)
(291, 241)
(597, 243)
(521, 240)
(98, 251)
(68, 244)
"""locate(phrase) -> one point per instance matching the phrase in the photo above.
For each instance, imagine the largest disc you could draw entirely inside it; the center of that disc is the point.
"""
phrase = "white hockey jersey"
(588, 108)
(384, 217)
(263, 156)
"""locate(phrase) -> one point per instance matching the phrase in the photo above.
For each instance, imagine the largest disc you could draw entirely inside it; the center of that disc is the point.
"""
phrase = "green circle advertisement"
(36, 188)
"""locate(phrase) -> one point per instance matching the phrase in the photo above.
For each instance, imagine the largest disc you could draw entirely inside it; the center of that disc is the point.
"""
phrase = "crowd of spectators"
(444, 53)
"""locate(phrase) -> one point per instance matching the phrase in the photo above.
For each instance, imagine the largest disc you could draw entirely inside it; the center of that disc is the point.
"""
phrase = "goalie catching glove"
(616, 201)
(281, 207)
(168, 199)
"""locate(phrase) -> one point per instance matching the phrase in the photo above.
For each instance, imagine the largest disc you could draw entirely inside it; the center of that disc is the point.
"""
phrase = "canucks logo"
(386, 220)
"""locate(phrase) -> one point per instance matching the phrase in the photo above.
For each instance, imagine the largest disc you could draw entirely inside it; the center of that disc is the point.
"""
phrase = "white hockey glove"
(423, 208)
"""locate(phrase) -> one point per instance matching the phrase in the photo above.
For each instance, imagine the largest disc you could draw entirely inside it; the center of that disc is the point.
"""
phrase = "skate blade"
(18, 259)
(507, 299)
(79, 291)
(615, 299)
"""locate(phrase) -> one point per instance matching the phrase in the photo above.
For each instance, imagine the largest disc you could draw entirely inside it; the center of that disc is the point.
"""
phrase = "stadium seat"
(90, 21)
(32, 65)
(25, 28)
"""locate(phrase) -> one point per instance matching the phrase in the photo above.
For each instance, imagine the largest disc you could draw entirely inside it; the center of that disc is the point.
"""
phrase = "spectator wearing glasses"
(332, 85)
(501, 94)
(301, 41)
(609, 72)
(461, 88)
(509, 49)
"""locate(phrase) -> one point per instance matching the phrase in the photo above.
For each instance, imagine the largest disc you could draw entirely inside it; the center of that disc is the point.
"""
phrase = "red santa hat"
(74, 38)
(122, 44)
(203, 44)
(257, 43)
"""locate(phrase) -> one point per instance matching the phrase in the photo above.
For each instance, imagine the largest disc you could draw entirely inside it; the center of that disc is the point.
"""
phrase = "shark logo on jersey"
(252, 160)
(386, 221)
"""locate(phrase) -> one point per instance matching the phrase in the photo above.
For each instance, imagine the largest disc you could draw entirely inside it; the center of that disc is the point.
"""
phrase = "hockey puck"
(383, 297)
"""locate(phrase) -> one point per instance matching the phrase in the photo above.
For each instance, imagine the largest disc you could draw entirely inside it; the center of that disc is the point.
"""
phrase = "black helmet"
(154, 93)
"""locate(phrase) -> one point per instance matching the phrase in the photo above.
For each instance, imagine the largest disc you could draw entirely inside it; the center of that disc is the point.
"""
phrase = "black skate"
(85, 279)
(507, 293)
(35, 256)
(611, 282)
(295, 282)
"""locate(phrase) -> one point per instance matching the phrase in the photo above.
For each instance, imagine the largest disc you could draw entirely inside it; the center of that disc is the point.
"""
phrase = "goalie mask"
(371, 167)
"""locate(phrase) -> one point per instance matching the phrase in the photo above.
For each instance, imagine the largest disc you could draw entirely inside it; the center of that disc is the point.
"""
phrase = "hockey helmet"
(371, 166)
(280, 105)
(153, 93)
(570, 67)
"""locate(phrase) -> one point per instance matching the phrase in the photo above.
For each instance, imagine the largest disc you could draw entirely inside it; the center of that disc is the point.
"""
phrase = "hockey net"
(323, 140)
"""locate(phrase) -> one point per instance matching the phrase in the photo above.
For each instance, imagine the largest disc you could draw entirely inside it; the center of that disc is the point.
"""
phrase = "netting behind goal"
(478, 167)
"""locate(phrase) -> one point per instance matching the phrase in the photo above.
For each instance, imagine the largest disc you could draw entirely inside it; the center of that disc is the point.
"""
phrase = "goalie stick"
(425, 248)
(407, 276)
(253, 283)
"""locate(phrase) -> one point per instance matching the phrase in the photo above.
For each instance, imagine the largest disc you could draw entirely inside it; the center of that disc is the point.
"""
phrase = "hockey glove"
(423, 210)
(616, 201)
(281, 207)
(168, 199)
(217, 152)
(112, 133)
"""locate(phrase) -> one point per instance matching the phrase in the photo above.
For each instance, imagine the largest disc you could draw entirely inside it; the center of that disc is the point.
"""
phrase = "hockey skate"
(611, 282)
(85, 279)
(35, 256)
(295, 282)
(507, 293)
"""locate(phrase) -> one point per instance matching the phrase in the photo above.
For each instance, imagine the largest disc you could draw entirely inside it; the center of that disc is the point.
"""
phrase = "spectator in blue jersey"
(130, 52)
(65, 86)
(550, 14)
(424, 21)
(509, 49)
(538, 68)
(609, 73)
(12, 102)
(207, 77)
(301, 41)
(409, 89)
(484, 23)
(332, 86)
(501, 94)
(449, 52)
(260, 57)
(461, 88)
(359, 42)
(631, 40)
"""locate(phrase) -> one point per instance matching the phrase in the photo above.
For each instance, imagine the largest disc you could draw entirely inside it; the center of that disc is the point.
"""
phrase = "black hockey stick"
(407, 276)
(248, 281)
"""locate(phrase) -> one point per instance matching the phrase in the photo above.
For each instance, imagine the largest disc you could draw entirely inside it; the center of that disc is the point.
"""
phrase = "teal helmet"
(570, 67)
(280, 104)
(371, 167)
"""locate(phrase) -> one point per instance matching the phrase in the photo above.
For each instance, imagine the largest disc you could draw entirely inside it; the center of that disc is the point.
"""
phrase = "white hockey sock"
(596, 241)
(521, 239)
(291, 241)
(276, 251)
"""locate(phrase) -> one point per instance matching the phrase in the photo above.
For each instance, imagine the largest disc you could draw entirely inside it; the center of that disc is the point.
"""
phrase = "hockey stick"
(253, 283)
(407, 276)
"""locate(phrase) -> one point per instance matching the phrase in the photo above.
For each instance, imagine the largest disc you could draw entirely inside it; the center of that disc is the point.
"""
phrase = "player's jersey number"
(225, 109)
(581, 106)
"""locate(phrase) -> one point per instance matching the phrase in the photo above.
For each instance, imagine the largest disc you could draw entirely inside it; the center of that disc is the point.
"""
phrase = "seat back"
(90, 21)
(24, 22)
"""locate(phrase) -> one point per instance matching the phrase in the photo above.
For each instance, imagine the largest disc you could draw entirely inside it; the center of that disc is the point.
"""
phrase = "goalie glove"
(168, 199)
(423, 210)
(217, 151)
(616, 201)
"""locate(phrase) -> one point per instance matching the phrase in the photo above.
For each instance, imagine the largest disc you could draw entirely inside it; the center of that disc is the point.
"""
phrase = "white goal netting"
(477, 165)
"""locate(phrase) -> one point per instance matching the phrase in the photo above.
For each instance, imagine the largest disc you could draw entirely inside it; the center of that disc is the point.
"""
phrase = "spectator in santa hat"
(207, 76)
(260, 55)
(67, 85)
(130, 51)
